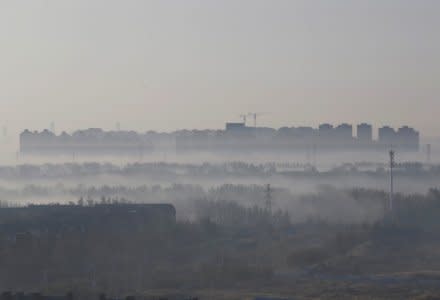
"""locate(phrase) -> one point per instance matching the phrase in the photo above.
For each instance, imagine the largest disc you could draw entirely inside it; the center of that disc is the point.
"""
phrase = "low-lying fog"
(9, 155)
(301, 190)
(304, 184)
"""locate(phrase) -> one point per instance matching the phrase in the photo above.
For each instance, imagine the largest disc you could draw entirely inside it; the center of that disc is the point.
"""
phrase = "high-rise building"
(365, 132)
(387, 135)
(408, 137)
(325, 131)
(344, 131)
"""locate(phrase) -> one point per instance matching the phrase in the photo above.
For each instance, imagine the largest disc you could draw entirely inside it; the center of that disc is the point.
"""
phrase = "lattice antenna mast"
(428, 154)
(392, 165)
(269, 198)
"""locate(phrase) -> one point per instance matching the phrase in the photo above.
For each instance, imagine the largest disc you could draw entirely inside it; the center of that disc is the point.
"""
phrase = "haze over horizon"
(165, 65)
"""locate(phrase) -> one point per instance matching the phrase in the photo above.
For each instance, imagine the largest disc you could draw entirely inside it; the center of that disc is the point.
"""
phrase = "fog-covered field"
(292, 186)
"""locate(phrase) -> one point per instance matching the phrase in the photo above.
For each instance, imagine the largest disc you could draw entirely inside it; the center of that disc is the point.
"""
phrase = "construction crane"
(254, 116)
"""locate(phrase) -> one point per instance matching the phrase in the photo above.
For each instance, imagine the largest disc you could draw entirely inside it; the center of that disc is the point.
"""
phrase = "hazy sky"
(197, 63)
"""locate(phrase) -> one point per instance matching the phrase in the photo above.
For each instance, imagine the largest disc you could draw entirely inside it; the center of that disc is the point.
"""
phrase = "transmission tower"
(392, 165)
(428, 154)
(268, 198)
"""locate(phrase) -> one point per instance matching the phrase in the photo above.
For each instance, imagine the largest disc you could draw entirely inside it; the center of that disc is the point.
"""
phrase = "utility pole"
(314, 156)
(428, 154)
(308, 156)
(268, 198)
(392, 164)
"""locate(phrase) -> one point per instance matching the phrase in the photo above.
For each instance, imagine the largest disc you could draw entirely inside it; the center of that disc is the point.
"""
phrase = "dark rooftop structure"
(21, 219)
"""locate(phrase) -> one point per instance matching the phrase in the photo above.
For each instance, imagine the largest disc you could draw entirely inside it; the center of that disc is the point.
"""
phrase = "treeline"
(326, 203)
(171, 171)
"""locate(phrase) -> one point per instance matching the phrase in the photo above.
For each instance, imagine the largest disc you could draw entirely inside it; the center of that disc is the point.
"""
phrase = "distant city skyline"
(235, 137)
(166, 65)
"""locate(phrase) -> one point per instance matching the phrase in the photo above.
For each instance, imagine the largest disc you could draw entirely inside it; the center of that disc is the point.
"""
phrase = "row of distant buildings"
(89, 141)
(342, 132)
(402, 137)
(239, 137)
(236, 137)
